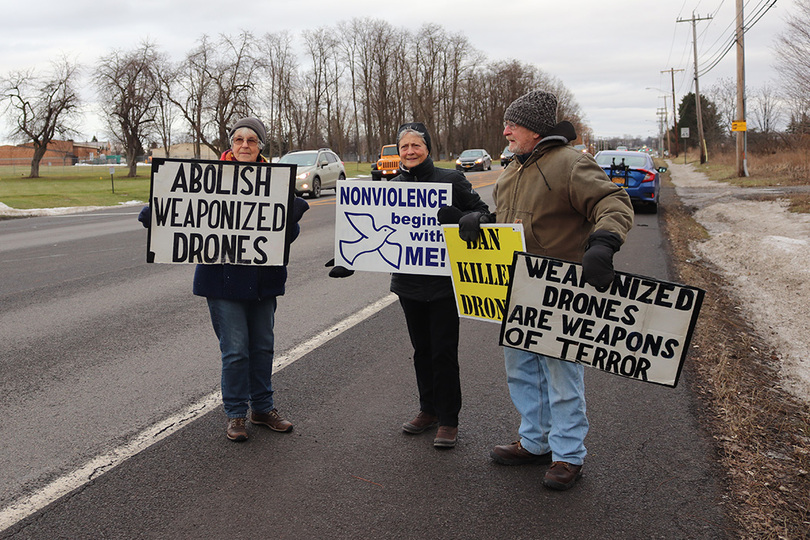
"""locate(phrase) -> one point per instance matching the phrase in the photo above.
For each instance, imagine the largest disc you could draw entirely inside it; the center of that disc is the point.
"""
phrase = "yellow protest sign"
(480, 269)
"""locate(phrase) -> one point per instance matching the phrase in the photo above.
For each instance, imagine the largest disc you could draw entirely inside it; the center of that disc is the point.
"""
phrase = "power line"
(762, 8)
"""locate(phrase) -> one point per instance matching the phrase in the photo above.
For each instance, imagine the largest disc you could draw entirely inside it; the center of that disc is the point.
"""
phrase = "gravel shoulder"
(761, 249)
(749, 353)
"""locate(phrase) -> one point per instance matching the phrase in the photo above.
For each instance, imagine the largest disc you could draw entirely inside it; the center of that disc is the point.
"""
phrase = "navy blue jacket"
(241, 282)
(246, 283)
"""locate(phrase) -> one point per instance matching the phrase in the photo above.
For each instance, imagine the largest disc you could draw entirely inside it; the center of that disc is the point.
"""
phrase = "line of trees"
(358, 82)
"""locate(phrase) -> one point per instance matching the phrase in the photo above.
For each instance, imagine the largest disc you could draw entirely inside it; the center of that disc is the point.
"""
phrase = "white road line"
(25, 506)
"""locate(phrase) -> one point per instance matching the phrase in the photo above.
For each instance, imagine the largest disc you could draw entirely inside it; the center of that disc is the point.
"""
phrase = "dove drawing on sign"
(372, 238)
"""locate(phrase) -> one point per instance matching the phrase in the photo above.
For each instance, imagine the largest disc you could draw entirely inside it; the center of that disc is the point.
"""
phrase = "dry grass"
(785, 168)
(761, 433)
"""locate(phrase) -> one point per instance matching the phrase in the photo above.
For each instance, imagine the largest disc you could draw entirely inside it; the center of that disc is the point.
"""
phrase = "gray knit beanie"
(536, 111)
(253, 123)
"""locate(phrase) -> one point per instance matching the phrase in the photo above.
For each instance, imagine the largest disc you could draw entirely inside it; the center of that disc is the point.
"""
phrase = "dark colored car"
(506, 156)
(634, 171)
(475, 159)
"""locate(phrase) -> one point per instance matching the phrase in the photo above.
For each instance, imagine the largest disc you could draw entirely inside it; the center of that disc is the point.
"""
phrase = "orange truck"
(387, 165)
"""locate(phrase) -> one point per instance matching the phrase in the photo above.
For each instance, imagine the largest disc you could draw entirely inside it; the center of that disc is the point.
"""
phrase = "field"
(95, 186)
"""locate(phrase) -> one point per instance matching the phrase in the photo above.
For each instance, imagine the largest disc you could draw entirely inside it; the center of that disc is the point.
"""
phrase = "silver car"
(317, 170)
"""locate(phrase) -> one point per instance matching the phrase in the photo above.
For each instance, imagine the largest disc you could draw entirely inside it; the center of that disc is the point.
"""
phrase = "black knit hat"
(418, 127)
(536, 111)
(254, 124)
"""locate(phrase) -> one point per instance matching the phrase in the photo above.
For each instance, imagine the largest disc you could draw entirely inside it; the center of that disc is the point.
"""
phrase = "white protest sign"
(212, 212)
(639, 327)
(391, 226)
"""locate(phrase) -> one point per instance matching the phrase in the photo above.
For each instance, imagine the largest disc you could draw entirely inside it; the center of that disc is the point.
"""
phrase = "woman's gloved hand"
(338, 271)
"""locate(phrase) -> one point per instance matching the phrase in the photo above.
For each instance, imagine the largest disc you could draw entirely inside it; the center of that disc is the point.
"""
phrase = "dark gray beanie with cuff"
(253, 123)
(536, 111)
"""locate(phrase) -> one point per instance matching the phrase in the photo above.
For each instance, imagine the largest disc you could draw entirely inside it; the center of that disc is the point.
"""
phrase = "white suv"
(317, 170)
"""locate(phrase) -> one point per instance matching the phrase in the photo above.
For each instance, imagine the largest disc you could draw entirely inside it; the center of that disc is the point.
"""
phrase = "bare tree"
(42, 107)
(350, 47)
(279, 67)
(128, 85)
(724, 95)
(793, 58)
(215, 86)
(766, 109)
(167, 111)
(191, 87)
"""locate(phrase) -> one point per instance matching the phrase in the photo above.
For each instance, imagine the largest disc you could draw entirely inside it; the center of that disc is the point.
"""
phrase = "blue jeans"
(245, 332)
(549, 394)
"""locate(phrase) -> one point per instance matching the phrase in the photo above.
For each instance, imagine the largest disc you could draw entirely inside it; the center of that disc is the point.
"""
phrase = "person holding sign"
(428, 301)
(242, 304)
(570, 210)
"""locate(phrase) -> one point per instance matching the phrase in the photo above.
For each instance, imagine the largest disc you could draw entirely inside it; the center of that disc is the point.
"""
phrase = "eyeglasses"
(239, 141)
(510, 125)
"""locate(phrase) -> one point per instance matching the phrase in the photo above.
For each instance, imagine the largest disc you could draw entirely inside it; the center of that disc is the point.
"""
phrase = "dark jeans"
(433, 328)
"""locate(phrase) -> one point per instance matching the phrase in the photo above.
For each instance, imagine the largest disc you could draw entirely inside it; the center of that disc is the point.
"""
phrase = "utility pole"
(674, 113)
(662, 125)
(742, 130)
(701, 139)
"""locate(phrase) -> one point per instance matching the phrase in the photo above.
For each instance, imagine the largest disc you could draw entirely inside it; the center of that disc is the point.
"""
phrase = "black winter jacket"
(425, 288)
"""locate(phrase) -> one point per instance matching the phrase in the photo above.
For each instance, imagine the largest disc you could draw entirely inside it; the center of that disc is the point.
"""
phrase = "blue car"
(635, 172)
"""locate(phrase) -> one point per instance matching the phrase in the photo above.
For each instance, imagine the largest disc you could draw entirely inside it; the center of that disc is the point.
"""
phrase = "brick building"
(58, 153)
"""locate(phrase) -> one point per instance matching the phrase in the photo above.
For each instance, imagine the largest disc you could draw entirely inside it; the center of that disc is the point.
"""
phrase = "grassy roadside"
(760, 432)
(92, 186)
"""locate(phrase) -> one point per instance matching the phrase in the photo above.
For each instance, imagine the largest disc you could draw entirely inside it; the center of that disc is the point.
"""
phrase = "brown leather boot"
(236, 429)
(562, 475)
(446, 437)
(515, 454)
(422, 422)
(271, 419)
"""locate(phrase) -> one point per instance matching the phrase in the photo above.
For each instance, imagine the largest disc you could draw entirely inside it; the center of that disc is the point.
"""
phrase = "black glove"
(145, 216)
(597, 263)
(469, 226)
(298, 208)
(448, 215)
(338, 271)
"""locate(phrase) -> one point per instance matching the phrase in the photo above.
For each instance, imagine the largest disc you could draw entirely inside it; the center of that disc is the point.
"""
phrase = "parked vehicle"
(635, 172)
(317, 170)
(474, 159)
(387, 165)
(506, 156)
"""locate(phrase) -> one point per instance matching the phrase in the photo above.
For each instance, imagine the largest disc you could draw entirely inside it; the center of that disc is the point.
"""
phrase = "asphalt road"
(99, 346)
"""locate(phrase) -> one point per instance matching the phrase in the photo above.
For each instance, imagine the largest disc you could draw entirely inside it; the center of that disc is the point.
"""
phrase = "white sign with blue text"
(391, 226)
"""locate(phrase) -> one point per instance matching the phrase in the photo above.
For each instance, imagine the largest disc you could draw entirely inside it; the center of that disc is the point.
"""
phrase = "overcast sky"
(608, 53)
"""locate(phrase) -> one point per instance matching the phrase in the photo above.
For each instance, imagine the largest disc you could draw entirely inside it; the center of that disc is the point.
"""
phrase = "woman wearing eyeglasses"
(242, 303)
